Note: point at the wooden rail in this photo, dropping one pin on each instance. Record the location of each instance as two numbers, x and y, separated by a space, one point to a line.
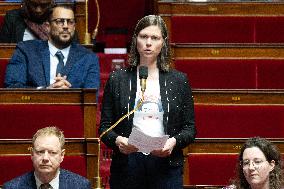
228 51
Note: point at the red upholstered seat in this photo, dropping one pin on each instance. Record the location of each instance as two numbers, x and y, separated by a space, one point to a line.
1 20
227 29
239 121
13 166
269 29
3 65
110 62
270 74
217 74
211 169
212 29
22 121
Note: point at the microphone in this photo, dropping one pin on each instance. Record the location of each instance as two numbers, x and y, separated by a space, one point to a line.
143 74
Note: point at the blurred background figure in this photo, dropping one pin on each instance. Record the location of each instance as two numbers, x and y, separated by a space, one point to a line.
27 22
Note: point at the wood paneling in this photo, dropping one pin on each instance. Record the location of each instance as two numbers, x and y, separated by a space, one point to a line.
240 97
228 51
218 8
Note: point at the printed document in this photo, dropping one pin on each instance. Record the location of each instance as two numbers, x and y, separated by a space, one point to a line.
146 143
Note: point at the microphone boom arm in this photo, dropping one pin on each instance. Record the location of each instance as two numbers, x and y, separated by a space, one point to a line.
98 178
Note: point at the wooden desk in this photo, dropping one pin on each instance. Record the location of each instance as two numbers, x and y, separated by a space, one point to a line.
237 96
227 51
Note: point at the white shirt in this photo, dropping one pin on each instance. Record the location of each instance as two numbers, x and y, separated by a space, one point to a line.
28 35
54 182
149 117
54 60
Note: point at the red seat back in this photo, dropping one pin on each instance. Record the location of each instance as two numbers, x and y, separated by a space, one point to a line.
211 169
239 121
3 65
212 29
22 121
219 74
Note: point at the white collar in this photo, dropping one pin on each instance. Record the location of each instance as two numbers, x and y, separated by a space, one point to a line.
53 50
54 182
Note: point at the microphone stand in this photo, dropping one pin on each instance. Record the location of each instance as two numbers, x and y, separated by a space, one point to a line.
98 178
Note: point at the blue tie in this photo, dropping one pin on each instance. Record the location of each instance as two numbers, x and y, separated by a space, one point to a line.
60 65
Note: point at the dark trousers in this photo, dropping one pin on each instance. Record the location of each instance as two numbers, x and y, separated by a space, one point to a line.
145 171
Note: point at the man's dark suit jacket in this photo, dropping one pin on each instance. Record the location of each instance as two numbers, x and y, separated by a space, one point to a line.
13 27
67 180
29 66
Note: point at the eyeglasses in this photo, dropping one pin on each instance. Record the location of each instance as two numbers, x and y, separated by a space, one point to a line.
255 163
61 21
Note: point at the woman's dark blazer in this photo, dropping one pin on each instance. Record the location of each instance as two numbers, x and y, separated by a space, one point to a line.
177 102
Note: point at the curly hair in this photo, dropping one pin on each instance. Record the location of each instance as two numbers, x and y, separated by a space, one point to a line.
164 58
271 152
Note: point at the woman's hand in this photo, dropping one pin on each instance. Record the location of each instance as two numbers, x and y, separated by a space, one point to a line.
124 147
167 149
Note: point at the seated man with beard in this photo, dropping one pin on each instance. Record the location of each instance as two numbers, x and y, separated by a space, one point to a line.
56 63
27 22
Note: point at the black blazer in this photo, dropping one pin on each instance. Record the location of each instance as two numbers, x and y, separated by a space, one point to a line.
13 27
177 102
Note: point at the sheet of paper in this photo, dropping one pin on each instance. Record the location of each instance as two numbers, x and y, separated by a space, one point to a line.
146 143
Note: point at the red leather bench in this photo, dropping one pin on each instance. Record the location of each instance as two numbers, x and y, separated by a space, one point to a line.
211 169
218 74
3 65
227 29
233 73
212 29
239 121
22 121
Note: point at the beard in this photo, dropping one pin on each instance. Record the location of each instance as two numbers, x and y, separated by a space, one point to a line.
60 43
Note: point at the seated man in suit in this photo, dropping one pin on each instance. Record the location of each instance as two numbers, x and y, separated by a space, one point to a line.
57 63
47 153
27 22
